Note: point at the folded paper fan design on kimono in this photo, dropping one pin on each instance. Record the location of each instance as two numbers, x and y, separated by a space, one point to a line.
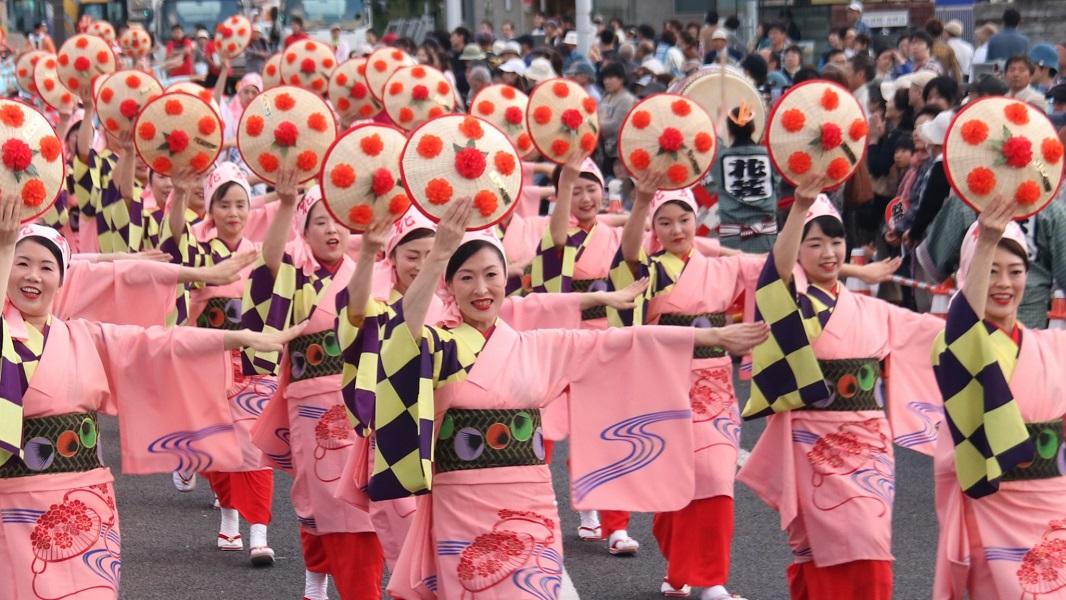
817 127
197 90
349 93
135 42
121 97
361 176
713 87
272 72
286 126
493 557
32 163
64 531
308 64
562 120
1043 568
82 59
381 64
178 131
233 35
456 156
1002 146
671 134
416 94
49 87
102 29
24 66
505 107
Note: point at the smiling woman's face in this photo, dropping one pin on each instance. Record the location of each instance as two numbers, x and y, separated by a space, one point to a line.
35 277
327 239
479 285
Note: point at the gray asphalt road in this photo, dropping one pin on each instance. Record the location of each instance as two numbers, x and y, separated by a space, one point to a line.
169 543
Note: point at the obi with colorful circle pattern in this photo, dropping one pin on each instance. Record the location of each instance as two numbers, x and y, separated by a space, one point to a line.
221 313
854 384
57 444
1049 462
591 285
700 321
488 438
315 355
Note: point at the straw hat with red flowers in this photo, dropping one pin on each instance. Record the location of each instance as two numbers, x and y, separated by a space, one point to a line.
197 90
82 59
381 64
668 133
817 127
416 94
349 93
121 97
286 126
233 35
308 64
102 29
455 156
272 72
505 107
361 176
1002 146
24 66
135 42
562 120
50 88
178 131
31 158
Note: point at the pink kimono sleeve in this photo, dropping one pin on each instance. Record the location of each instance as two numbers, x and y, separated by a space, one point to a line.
709 247
168 387
259 218
107 291
914 404
631 444
542 311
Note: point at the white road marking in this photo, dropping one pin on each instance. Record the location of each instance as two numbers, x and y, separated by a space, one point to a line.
569 592
742 457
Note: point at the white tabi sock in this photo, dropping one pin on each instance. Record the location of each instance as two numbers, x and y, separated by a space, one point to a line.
230 526
258 535
315 586
716 592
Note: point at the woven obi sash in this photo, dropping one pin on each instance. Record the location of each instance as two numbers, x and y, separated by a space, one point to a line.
57 444
854 384
221 313
1049 461
315 355
700 321
591 285
488 438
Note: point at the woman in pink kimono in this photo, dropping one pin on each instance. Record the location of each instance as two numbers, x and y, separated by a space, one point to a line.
1002 514
59 529
304 429
825 461
472 428
248 491
687 289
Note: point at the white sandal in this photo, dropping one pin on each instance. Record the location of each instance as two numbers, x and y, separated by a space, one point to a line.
670 591
262 556
620 544
590 530
182 483
719 592
230 543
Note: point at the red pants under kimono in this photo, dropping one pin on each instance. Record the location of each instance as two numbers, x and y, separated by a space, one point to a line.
353 560
866 579
251 493
696 542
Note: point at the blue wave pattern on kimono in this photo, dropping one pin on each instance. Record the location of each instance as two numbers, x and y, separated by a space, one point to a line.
644 448
451 547
803 436
307 522
253 398
180 444
283 460
729 426
1007 554
876 482
13 516
310 412
540 582
104 565
931 414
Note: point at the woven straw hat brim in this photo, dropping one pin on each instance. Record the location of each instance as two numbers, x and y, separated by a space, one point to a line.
711 86
968 165
272 72
493 103
650 122
38 184
797 153
24 66
349 93
49 87
407 82
429 171
99 58
197 90
118 87
165 116
308 64
350 169
102 29
265 118
381 64
240 35
548 103
136 42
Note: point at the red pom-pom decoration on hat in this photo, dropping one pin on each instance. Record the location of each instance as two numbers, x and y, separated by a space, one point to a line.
670 134
30 158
